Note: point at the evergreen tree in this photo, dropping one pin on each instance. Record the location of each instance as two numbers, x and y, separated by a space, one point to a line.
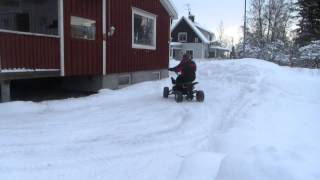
309 23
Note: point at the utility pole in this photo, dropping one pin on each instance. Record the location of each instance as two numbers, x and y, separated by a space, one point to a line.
245 28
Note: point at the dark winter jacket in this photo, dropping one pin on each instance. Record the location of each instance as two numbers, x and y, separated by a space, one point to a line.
187 68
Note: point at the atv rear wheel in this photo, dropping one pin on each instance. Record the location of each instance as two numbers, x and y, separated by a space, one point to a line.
166 92
178 97
200 96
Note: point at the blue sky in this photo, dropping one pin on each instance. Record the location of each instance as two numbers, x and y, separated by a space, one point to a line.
210 13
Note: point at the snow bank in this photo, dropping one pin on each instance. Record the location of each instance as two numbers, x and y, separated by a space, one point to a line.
200 166
263 118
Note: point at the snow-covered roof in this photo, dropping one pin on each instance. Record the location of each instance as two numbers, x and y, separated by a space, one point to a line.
203 28
195 28
175 44
219 48
170 7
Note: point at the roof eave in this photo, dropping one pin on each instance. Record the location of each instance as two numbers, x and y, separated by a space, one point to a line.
197 31
168 5
208 31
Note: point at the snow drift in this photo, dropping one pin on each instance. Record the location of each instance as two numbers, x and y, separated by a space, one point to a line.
259 121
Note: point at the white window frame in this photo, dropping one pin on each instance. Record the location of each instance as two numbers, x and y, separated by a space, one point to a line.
182 33
150 16
190 50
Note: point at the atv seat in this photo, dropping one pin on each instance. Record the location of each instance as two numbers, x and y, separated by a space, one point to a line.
183 84
188 84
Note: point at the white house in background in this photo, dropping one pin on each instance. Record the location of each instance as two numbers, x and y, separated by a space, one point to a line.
191 38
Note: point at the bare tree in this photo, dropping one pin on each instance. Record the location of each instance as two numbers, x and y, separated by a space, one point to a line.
220 31
278 15
268 28
257 19
270 20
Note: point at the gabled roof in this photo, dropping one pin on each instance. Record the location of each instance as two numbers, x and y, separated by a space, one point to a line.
196 28
203 28
171 9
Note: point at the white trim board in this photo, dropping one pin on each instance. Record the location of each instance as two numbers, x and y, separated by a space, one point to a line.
29 33
61 33
104 35
170 7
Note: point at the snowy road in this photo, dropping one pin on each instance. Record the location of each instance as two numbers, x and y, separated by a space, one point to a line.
259 121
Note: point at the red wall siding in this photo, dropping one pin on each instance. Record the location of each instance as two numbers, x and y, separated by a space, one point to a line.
83 57
121 57
27 51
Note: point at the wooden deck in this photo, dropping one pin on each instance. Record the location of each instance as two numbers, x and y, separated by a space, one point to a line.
7 76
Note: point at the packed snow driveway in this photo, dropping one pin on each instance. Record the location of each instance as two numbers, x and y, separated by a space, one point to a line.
259 121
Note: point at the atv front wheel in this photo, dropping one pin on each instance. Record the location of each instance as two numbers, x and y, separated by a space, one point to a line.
166 92
200 96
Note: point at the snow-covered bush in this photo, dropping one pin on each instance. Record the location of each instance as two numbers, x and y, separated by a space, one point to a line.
276 51
311 51
252 51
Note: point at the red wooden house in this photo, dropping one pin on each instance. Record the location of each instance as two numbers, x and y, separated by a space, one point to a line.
114 42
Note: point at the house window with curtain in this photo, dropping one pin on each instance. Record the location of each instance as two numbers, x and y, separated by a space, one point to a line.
143 29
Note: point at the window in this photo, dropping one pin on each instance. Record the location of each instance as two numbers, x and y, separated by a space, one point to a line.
196 40
190 53
82 28
143 29
182 37
40 16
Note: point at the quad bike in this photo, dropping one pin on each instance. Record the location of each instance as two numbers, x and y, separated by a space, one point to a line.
184 90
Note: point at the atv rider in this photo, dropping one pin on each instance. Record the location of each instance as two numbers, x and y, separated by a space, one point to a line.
187 69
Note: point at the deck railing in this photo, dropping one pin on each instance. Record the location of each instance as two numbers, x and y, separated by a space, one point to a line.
24 51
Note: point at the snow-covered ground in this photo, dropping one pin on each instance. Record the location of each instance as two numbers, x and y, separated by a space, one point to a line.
259 121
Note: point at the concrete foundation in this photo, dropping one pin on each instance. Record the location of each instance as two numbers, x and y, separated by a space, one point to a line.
5 91
112 81
89 84
138 77
86 84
